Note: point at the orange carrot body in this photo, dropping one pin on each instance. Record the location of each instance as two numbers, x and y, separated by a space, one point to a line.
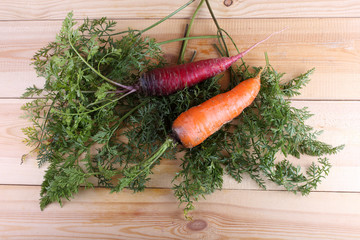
198 123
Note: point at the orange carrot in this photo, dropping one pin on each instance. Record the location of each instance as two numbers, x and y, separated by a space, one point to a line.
193 126
198 123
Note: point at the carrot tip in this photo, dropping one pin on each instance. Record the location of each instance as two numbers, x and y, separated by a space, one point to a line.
259 73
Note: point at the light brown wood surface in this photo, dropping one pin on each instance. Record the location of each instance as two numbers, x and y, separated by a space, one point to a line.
48 9
154 214
320 34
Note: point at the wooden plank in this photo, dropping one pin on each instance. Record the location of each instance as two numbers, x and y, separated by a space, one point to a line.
330 45
339 120
47 9
321 34
154 214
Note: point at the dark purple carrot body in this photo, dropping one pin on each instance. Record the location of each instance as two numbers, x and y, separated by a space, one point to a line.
165 81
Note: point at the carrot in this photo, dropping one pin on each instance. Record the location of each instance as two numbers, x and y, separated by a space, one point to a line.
165 81
198 123
193 126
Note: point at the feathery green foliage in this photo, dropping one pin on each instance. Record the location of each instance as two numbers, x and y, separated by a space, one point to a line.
84 127
264 129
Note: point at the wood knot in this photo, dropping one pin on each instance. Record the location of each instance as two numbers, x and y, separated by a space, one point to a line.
228 3
197 225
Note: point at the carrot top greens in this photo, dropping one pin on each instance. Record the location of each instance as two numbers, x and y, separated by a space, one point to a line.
84 127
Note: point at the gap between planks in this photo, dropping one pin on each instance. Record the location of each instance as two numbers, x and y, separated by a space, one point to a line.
216 190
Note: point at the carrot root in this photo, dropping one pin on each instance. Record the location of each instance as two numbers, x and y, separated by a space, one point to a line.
198 123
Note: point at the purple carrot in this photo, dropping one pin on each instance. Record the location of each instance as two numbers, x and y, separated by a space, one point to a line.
167 80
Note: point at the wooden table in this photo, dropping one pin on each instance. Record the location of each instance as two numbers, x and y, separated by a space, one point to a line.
320 34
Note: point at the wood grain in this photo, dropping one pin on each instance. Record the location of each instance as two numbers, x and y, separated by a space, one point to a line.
322 34
332 46
154 214
142 9
340 122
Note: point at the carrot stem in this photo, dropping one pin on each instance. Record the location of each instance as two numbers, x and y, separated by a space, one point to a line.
182 44
237 49
122 32
167 144
130 88
157 23
187 38
217 26
115 127
224 49
96 109
167 17
148 163
193 56
188 31
267 59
